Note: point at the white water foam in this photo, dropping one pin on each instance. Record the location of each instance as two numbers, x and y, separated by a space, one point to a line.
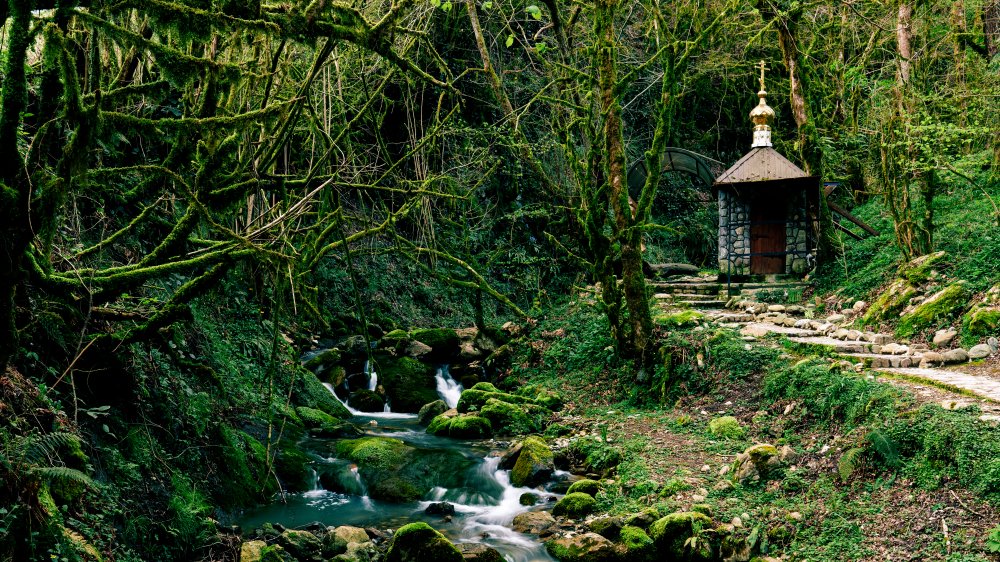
386 414
447 388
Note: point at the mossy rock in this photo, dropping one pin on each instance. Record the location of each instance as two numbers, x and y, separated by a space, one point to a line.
418 542
575 505
586 547
943 305
430 411
726 427
534 463
463 426
290 466
444 343
321 424
439 425
609 526
311 393
682 319
366 401
639 547
981 322
473 400
549 399
643 519
514 419
324 360
758 462
303 545
485 387
889 302
528 499
586 486
920 269
670 534
396 472
395 340
408 383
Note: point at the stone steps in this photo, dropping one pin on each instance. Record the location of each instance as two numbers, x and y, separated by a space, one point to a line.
981 386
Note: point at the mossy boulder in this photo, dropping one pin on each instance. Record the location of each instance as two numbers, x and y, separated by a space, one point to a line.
889 302
684 318
309 392
478 552
586 486
408 383
984 317
726 427
922 268
535 463
444 343
514 419
323 361
290 465
575 506
259 551
396 472
430 411
670 534
639 546
473 399
758 462
303 545
323 424
609 526
418 542
585 547
462 426
941 306
485 387
366 401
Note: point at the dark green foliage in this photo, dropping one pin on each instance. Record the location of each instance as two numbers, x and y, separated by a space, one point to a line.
595 454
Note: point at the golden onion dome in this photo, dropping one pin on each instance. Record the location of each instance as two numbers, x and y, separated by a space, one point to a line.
762 115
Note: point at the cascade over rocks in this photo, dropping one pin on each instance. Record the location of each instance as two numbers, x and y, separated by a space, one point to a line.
366 401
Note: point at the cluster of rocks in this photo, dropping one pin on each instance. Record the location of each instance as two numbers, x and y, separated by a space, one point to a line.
416 542
405 362
485 411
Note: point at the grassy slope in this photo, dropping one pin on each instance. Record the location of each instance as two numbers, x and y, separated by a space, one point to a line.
892 504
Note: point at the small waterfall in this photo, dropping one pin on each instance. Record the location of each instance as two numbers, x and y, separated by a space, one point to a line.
315 490
385 413
447 388
365 500
372 377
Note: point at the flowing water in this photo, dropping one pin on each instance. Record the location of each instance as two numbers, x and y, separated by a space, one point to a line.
447 388
485 501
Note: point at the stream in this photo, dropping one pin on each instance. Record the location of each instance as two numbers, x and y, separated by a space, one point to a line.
485 501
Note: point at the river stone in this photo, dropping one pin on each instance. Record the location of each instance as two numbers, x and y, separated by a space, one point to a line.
528 499
980 351
252 551
575 506
302 544
931 358
586 547
477 552
643 519
440 508
418 542
609 527
417 350
431 410
955 356
337 541
408 383
366 401
533 522
836 318
944 337
534 463
358 552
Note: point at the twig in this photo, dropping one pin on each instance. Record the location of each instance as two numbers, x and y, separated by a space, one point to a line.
966 507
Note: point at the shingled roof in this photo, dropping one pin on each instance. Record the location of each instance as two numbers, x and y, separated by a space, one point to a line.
761 164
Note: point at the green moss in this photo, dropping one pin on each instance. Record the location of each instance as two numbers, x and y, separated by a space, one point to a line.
726 427
469 427
324 360
418 542
981 322
575 505
430 411
586 486
290 466
534 464
943 305
513 419
311 393
670 533
373 452
639 547
920 269
409 384
684 318
439 425
444 342
889 302
484 387
473 400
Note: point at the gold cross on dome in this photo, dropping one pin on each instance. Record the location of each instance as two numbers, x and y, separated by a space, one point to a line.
762 69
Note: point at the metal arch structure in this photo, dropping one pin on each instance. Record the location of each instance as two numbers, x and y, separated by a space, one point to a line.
675 160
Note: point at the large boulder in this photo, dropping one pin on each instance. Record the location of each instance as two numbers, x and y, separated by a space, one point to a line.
473 399
323 424
575 506
323 361
418 542
587 486
366 401
408 383
303 545
395 472
461 426
639 547
984 317
892 300
514 419
533 522
585 547
535 463
430 411
942 305
337 541
308 391
444 343
671 534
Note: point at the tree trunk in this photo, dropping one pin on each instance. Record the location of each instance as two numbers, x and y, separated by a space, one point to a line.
629 236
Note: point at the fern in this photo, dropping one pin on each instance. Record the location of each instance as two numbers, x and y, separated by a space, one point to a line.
63 475
885 447
37 449
848 462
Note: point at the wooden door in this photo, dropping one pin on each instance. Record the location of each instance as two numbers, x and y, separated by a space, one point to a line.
767 237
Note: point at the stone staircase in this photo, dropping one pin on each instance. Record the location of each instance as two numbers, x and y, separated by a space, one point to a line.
831 336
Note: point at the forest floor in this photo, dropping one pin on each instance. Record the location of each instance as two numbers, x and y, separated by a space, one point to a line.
812 513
